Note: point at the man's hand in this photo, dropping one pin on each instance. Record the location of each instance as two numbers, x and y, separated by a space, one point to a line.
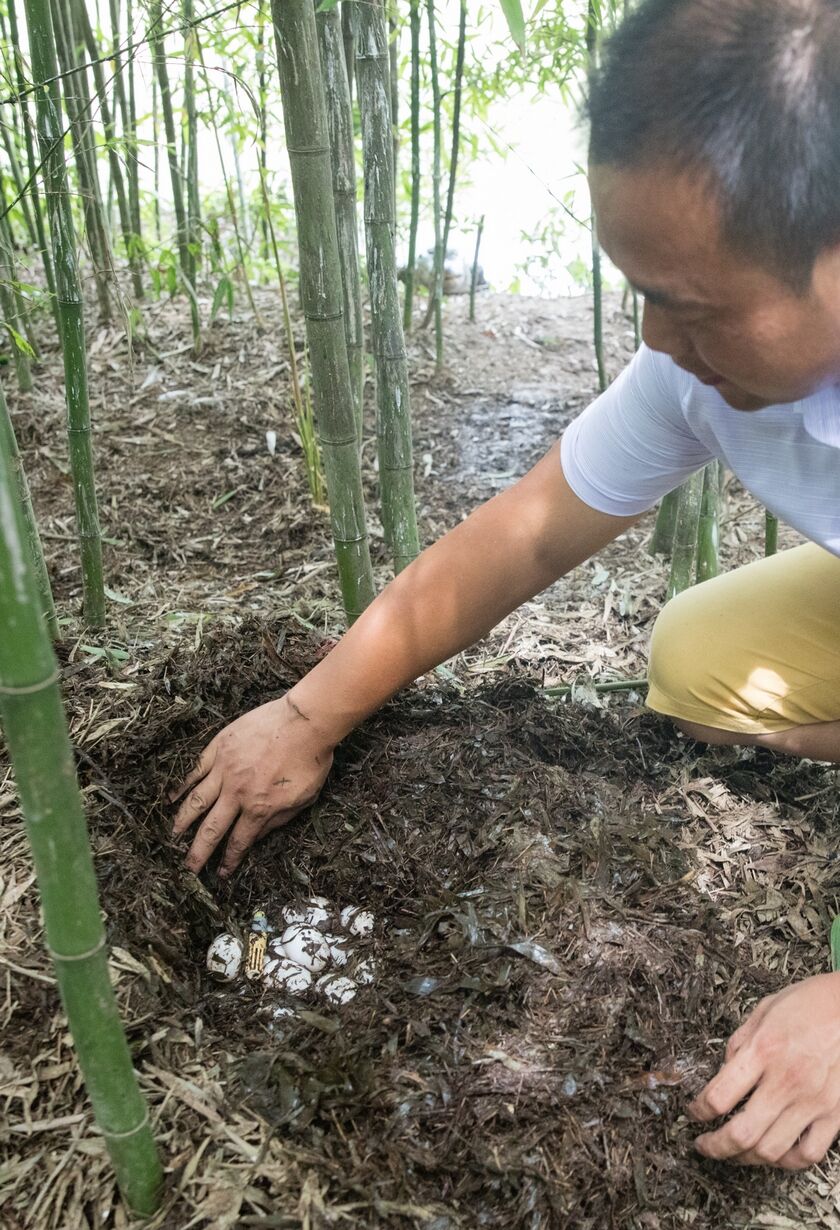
256 774
786 1056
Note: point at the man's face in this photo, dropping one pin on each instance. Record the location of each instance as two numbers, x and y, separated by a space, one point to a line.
730 322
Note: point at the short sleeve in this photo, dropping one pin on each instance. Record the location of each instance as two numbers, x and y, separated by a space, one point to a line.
632 445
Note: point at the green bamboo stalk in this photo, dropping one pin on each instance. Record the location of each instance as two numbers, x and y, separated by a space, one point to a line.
156 41
708 529
474 274
637 322
84 33
32 164
18 181
662 539
414 17
436 289
69 299
340 121
39 746
308 143
130 136
10 456
193 197
394 88
592 24
393 396
262 103
456 137
771 533
14 314
685 534
348 38
77 106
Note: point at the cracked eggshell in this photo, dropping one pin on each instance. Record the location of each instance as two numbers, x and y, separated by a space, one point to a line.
335 988
340 950
365 972
356 920
224 957
306 947
284 975
307 913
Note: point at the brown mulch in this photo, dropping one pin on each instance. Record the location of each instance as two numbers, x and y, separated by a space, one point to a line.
574 907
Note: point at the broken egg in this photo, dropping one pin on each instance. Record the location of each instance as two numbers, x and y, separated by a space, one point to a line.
356 920
307 913
365 972
336 988
339 946
284 975
306 947
224 957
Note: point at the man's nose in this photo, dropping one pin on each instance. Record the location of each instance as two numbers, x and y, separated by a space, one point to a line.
660 333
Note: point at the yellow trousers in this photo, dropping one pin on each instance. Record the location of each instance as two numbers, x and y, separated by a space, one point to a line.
755 650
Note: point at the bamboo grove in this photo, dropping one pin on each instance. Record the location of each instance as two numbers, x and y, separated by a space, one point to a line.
378 102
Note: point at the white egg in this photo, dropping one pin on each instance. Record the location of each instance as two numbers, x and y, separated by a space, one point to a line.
336 989
356 920
365 972
306 947
224 957
340 950
284 975
320 901
308 914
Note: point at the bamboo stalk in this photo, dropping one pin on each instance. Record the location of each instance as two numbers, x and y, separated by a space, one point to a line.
456 137
32 164
156 41
662 539
13 312
592 22
77 105
436 290
393 395
708 529
84 32
308 143
17 179
36 734
771 533
191 136
348 38
685 534
130 134
474 274
394 89
10 457
340 121
414 17
69 299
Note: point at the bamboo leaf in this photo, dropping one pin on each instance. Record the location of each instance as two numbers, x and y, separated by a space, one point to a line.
21 342
222 294
512 10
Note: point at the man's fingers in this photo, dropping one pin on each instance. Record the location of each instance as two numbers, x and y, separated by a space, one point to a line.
734 1081
246 832
210 833
748 1027
813 1145
779 1138
202 768
197 802
744 1130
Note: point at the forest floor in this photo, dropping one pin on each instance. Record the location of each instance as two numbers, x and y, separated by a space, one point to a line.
575 906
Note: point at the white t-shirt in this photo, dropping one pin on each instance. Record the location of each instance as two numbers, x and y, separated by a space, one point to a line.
656 424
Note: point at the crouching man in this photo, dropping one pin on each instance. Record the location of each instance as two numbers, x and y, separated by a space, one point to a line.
715 174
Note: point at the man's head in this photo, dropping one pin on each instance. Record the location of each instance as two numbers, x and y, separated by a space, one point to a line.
715 171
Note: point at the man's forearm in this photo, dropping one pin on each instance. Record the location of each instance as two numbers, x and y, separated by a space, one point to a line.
507 551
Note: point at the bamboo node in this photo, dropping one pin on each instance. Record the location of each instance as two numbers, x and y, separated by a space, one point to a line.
5 690
309 151
144 1123
79 956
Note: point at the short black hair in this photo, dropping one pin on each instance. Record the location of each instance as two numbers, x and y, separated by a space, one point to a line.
744 93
